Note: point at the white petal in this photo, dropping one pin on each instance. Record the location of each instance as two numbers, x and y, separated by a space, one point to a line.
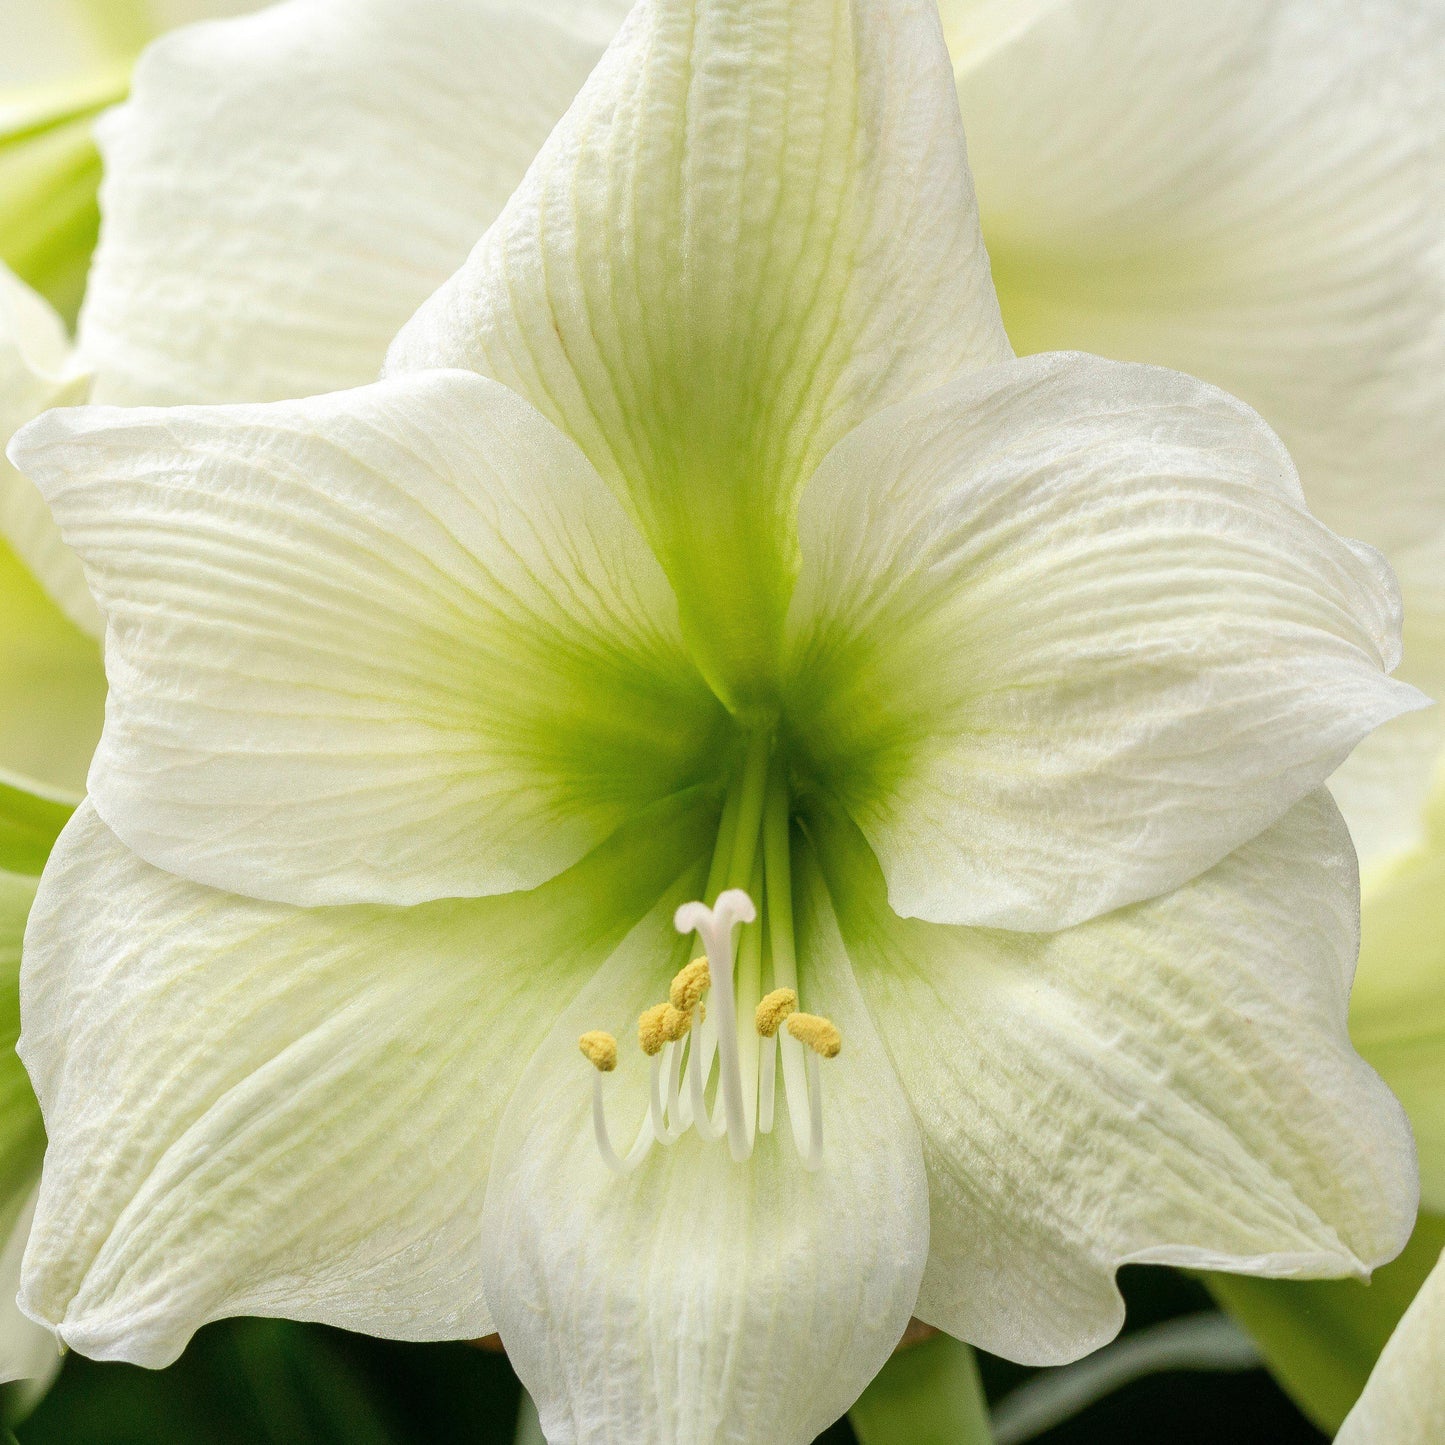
754 228
1065 636
1169 1084
255 1109
1252 191
699 1301
393 644
1404 1401
283 190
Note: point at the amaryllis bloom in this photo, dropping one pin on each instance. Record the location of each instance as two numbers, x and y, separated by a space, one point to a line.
704 568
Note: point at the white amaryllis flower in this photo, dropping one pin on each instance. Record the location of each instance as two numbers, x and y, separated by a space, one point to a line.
1404 1401
987 702
1252 191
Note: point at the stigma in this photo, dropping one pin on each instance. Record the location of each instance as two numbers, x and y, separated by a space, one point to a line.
732 1047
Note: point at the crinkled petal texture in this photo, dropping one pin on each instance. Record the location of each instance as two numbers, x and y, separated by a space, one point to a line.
53 687
1404 1401
282 191
1252 191
389 645
1397 1011
1065 635
698 1302
259 1109
754 228
1171 1083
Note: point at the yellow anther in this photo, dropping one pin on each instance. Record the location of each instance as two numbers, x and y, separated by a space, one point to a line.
662 1024
600 1050
773 1010
690 985
819 1034
675 1023
651 1031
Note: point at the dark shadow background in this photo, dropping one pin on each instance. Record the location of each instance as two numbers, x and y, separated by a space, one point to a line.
271 1382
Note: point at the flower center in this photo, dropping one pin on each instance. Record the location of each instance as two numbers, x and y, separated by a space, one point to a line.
716 1018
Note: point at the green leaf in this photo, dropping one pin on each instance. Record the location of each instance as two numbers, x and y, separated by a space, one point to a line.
927 1394
29 826
1321 1338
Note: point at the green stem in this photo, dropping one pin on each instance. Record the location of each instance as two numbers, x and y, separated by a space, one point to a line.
927 1394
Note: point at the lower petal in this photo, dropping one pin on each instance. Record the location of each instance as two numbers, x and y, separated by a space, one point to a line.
699 1300
1171 1083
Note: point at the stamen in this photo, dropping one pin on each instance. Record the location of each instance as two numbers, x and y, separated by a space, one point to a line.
690 985
819 1034
650 1032
773 1010
600 1050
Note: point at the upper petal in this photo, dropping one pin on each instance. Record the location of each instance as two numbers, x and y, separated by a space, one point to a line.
699 1301
1404 1401
1171 1083
754 228
1252 191
259 1109
1065 635
388 645
282 191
